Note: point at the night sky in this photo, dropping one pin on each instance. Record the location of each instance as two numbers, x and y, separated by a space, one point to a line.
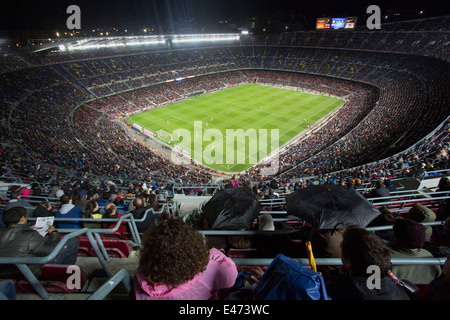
135 14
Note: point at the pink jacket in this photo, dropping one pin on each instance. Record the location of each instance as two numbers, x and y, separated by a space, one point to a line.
219 276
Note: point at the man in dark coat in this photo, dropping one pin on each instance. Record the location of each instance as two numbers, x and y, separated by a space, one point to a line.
138 213
19 240
379 191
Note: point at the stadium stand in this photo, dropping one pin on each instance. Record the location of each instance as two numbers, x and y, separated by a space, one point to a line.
63 129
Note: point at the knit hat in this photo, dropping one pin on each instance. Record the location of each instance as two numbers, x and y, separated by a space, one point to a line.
59 193
409 234
420 213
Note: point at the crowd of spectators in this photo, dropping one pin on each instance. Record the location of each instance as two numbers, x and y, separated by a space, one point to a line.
387 93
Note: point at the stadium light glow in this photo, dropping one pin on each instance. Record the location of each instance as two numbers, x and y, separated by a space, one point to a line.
129 41
205 38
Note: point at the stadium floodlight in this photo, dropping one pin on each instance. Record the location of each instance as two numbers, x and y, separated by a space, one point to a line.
206 38
111 42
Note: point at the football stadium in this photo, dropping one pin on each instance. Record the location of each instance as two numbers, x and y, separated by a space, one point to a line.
274 156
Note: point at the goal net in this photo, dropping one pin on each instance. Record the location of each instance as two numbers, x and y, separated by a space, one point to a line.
164 135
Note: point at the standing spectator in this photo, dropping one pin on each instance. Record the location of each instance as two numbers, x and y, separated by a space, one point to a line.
175 264
361 249
68 210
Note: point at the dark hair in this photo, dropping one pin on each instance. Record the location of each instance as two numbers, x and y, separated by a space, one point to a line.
363 249
65 198
172 253
118 201
13 215
16 194
90 206
106 195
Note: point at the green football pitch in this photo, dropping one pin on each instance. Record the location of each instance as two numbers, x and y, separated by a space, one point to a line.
233 129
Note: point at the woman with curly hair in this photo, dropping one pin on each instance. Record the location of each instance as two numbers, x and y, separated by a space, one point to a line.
175 264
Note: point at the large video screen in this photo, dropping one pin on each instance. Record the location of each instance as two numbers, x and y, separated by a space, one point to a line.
350 23
323 23
336 23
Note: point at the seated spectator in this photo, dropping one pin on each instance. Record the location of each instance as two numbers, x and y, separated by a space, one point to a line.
19 240
269 244
68 210
36 190
379 191
420 213
25 193
92 211
265 222
386 218
272 194
121 206
438 289
361 249
195 273
82 199
443 185
408 241
111 213
16 201
105 199
44 209
153 202
138 213
326 243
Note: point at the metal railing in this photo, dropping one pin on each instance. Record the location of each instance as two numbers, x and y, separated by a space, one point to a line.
23 262
121 276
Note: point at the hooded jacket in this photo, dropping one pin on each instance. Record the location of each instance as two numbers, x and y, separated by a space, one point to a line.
69 211
218 277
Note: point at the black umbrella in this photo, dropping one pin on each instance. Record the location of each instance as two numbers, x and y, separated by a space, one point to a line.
330 207
232 209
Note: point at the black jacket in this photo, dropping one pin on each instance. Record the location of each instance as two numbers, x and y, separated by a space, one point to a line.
144 225
21 241
344 287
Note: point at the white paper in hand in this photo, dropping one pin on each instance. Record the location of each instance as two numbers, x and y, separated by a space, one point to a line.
42 224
